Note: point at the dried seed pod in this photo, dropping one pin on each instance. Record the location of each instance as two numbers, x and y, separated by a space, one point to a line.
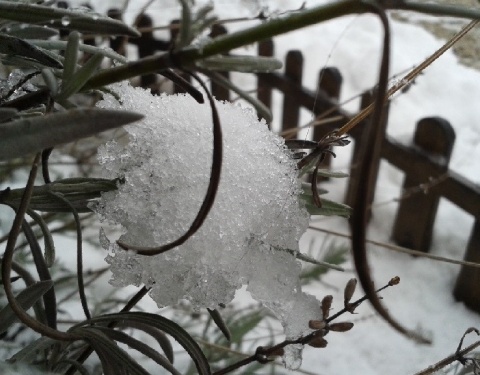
318 342
326 304
349 290
394 281
341 327
317 324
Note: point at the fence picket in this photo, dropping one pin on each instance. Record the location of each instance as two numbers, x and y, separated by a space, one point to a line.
291 107
218 91
416 214
264 90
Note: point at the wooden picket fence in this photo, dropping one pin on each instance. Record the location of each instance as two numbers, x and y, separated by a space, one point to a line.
422 162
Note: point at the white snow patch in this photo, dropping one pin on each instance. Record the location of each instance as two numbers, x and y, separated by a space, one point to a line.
256 215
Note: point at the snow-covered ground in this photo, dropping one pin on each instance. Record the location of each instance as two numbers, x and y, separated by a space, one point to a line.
423 300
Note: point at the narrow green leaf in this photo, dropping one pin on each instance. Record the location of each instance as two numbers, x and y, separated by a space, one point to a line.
79 192
50 81
307 190
71 56
82 370
140 347
49 298
158 335
30 352
62 45
26 298
47 238
10 45
165 325
333 174
31 31
335 255
114 359
185 34
329 208
64 19
244 64
78 80
27 136
311 260
202 12
217 318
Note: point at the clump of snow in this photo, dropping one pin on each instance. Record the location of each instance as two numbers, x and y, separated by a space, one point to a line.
256 215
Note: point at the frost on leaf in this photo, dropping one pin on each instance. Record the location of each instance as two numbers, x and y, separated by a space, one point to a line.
165 169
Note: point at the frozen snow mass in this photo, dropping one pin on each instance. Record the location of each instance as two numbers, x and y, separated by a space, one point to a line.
165 170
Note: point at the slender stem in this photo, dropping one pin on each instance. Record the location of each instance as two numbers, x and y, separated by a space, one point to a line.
448 360
81 286
187 56
262 354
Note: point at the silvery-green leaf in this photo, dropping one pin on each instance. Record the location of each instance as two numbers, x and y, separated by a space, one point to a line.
144 349
78 80
49 245
50 80
30 352
62 45
329 173
78 191
307 189
32 31
27 136
64 19
26 298
10 45
71 55
329 208
244 64
165 325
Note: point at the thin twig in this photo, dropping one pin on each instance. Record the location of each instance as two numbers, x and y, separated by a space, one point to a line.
263 355
401 249
402 83
448 360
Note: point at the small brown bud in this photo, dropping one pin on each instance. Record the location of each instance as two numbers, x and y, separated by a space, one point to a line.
349 290
318 342
394 281
326 304
316 324
341 327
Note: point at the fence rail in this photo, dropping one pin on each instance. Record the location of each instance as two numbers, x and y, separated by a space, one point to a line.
425 162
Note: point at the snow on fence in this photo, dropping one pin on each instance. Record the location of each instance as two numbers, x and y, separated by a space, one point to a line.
424 163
